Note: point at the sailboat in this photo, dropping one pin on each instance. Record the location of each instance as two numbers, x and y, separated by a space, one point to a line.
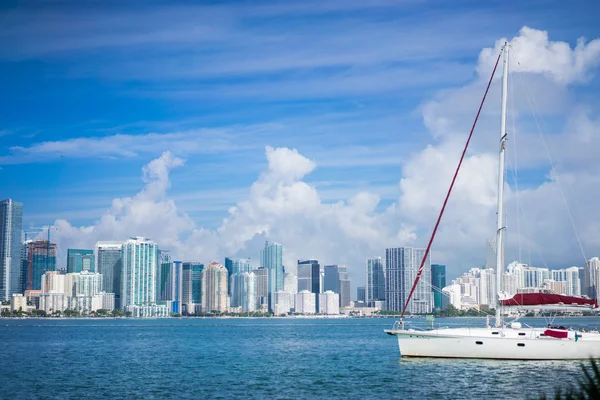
503 340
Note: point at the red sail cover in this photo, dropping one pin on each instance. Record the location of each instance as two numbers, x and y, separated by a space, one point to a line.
540 299
556 334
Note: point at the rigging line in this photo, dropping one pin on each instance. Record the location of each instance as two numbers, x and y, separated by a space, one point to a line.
515 169
437 224
531 99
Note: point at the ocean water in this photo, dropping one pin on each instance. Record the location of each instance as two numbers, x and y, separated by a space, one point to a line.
251 358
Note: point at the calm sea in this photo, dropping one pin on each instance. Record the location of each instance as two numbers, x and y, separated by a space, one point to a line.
250 358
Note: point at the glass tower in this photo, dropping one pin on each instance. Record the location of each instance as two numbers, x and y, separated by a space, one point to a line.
108 261
80 260
401 266
271 257
438 282
11 227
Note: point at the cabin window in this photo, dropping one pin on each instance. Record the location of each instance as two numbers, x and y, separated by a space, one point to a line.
521 344
495 333
541 334
478 342
521 333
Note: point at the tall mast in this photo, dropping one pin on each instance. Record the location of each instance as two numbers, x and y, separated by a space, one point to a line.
500 222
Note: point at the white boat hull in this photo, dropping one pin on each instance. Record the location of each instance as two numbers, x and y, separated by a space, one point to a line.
505 345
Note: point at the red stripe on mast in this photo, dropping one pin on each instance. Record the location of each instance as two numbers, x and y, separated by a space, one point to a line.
437 224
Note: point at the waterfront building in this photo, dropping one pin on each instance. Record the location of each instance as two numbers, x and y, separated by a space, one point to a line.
571 278
80 260
309 277
590 277
243 287
336 280
283 302
528 276
11 224
401 266
148 311
262 288
41 258
191 283
452 295
170 282
18 302
438 282
138 276
85 283
53 281
361 294
375 282
214 288
271 257
53 301
290 285
559 287
306 302
108 263
329 303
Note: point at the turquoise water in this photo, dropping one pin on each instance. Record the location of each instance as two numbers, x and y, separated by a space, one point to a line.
250 358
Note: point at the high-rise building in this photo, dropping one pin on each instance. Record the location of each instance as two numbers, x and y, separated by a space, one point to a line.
271 257
243 291
329 302
11 224
214 288
401 267
336 280
283 302
138 276
375 283
571 277
361 294
191 282
290 285
528 276
262 288
108 262
80 260
41 258
170 282
236 266
590 276
438 282
306 302
309 277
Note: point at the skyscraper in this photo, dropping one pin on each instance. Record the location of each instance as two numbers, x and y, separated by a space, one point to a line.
170 282
309 277
138 276
214 288
11 224
80 260
336 280
243 287
271 257
108 262
262 288
438 282
571 277
191 283
360 294
375 284
401 269
41 258
590 274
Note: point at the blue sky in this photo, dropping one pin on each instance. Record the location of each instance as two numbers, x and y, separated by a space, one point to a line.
91 93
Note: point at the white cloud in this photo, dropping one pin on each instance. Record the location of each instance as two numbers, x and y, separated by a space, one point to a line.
535 53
